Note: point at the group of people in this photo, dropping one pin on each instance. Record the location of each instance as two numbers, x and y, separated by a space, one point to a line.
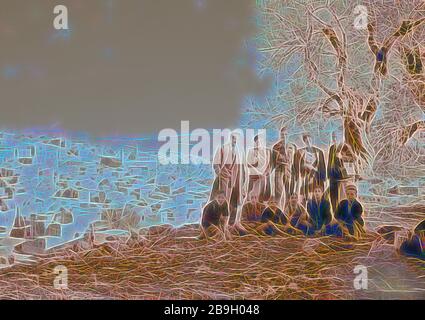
283 189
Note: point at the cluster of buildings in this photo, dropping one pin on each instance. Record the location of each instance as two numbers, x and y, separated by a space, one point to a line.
53 189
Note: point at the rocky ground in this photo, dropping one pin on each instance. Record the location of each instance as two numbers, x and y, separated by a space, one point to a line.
168 263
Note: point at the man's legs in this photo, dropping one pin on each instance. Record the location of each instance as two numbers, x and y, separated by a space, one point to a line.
335 190
279 186
254 185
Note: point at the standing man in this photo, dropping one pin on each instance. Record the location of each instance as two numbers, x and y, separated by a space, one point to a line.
259 168
336 171
281 169
294 181
312 167
229 175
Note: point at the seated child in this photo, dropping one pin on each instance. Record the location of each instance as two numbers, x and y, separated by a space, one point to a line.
250 215
319 210
298 216
272 218
252 210
215 216
349 212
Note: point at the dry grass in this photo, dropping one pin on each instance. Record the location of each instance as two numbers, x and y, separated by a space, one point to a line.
170 264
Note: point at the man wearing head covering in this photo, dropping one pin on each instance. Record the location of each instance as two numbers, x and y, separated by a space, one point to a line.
349 212
281 163
312 167
259 169
229 175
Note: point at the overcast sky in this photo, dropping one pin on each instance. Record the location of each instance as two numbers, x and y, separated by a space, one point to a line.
125 67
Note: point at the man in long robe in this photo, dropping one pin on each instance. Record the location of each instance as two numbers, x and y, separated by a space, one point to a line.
336 171
229 175
312 167
259 169
295 177
281 163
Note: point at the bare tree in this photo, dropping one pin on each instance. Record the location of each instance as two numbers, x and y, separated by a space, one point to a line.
338 73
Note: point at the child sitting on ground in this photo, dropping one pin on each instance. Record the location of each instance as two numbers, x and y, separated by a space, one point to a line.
349 213
273 219
298 216
215 217
319 210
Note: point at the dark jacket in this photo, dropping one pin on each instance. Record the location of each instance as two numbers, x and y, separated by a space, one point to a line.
276 216
296 217
413 247
348 214
335 170
320 213
213 212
